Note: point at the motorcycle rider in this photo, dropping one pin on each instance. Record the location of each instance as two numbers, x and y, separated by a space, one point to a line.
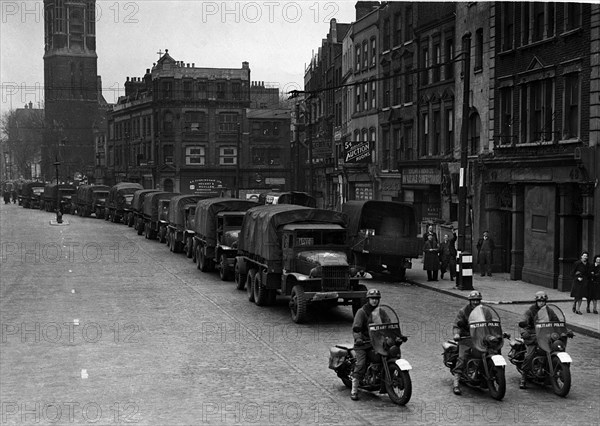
370 313
462 336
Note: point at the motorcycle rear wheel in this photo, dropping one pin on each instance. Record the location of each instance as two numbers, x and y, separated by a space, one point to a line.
497 382
399 387
561 380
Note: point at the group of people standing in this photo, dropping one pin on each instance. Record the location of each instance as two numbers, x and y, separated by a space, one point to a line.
439 256
586 283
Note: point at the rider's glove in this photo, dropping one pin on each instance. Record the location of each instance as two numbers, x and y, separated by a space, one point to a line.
570 334
523 324
457 336
359 342
401 339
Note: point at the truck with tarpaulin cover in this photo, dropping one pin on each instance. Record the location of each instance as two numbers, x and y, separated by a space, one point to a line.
299 252
153 213
135 217
62 193
180 231
382 236
119 200
217 226
290 197
91 199
31 194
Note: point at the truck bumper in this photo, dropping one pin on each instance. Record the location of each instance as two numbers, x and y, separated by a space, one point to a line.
331 295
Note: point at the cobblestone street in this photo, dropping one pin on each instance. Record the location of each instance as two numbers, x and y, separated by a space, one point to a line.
100 325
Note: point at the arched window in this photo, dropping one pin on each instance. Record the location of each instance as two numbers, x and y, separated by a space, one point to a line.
474 134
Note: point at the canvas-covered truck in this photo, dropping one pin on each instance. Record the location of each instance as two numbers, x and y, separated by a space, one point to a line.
299 252
135 217
382 235
151 213
119 200
217 226
31 194
290 197
91 199
61 194
180 231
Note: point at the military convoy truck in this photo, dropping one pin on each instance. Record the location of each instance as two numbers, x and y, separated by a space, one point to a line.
382 236
61 193
216 229
31 195
91 199
151 210
299 252
119 200
180 231
135 217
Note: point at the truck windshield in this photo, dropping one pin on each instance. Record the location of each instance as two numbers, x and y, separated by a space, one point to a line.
318 237
233 221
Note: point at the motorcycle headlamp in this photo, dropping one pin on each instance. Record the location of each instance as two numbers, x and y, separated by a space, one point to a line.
554 337
557 346
491 340
394 352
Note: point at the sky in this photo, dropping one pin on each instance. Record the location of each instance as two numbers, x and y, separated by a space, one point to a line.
277 38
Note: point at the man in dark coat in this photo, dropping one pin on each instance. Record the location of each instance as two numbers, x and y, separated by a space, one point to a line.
485 251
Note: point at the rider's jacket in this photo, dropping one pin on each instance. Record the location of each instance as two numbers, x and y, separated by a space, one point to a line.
461 323
528 322
365 316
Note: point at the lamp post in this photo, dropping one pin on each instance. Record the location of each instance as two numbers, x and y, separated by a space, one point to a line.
58 212
237 160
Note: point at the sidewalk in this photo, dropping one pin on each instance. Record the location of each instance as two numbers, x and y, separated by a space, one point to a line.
510 295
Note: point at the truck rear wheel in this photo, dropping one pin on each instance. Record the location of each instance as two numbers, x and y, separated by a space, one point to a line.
249 284
261 293
141 229
298 304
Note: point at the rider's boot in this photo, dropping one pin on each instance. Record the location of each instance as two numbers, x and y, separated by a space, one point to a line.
456 385
523 381
354 391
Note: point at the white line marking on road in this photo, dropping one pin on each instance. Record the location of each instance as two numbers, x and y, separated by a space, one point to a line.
84 374
76 321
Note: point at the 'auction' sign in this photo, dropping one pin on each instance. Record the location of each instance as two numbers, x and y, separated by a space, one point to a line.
357 152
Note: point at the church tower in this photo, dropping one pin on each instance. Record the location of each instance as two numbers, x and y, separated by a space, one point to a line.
70 86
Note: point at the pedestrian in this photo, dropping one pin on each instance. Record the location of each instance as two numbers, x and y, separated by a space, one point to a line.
581 275
485 252
447 257
431 261
594 285
428 233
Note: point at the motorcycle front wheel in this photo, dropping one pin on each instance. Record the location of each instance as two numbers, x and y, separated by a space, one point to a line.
561 380
399 387
497 382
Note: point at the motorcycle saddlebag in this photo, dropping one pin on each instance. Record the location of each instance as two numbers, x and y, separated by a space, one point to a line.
336 357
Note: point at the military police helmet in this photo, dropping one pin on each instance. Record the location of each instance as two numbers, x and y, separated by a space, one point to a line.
373 294
475 295
541 295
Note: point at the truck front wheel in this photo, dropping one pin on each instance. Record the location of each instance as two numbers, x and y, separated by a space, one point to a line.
249 284
224 269
240 279
298 304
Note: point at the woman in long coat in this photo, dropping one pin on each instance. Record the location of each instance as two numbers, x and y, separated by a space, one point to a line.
431 261
594 285
581 275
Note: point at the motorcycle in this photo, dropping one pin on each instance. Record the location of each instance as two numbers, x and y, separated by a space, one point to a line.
386 370
484 365
551 364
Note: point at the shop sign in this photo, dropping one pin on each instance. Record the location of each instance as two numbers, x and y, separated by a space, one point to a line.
424 176
204 185
357 152
321 148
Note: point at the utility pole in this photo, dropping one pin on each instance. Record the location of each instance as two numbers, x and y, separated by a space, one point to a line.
58 212
465 274
310 151
237 161
296 185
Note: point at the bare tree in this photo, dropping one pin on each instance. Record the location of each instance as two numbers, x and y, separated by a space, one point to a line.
22 131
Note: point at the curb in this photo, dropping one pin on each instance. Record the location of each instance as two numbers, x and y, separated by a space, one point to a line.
576 328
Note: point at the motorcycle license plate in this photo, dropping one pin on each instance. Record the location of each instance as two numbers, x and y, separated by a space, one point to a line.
564 357
498 360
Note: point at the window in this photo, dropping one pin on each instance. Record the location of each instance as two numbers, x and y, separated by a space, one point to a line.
373 52
386 35
408 140
365 55
474 133
365 135
398 147
508 25
168 154
365 96
397 29
91 19
386 161
571 114
187 89
276 128
227 155
397 90
168 122
202 90
424 65
408 24
551 13
228 122
449 59
449 131
537 111
424 134
263 156
408 92
59 14
357 88
195 155
506 115
167 89
437 133
479 49
195 121
221 90
437 60
572 16
357 50
236 91
386 91
525 16
373 95
538 21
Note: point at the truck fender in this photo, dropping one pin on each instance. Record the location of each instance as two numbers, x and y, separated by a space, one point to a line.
297 276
